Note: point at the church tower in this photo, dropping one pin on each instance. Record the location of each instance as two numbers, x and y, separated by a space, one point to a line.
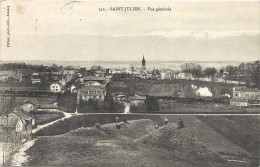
143 63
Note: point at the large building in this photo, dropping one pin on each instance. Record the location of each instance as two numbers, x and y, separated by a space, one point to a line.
94 92
245 97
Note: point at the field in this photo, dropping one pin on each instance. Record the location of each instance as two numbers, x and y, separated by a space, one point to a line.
193 108
138 143
43 118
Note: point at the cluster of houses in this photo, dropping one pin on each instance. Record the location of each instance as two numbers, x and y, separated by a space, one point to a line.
144 73
92 85
19 121
53 81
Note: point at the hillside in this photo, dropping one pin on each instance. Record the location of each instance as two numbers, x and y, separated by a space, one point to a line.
183 142
210 136
137 143
107 146
241 130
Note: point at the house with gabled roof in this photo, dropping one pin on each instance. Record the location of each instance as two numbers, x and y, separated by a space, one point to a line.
26 117
56 87
18 124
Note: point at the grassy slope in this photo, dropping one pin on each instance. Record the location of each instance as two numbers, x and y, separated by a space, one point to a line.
192 108
87 121
183 142
209 136
241 130
46 118
105 147
112 147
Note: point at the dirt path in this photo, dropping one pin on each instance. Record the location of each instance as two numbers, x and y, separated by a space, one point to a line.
21 157
67 115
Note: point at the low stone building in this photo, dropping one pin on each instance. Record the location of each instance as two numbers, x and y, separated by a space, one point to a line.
245 97
136 100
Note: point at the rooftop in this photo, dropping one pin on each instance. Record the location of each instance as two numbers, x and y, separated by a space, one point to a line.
33 101
137 97
92 87
246 89
19 112
93 78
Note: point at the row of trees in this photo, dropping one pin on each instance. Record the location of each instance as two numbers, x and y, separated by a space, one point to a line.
109 104
38 68
244 72
196 70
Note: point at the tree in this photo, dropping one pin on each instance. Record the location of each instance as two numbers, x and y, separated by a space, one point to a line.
256 74
196 72
151 103
54 65
192 68
221 72
210 72
109 103
231 72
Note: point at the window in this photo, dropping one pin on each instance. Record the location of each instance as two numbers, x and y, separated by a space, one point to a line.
236 95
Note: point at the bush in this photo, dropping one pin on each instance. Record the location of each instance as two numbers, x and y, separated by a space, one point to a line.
138 108
67 101
152 103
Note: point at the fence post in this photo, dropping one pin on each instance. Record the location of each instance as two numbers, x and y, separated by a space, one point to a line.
3 157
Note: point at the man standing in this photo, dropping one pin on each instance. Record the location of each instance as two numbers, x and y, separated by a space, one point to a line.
117 119
165 121
181 124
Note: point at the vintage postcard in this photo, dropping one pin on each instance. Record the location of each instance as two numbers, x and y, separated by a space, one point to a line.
130 83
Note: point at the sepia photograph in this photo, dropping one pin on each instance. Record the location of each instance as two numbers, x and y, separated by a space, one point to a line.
111 83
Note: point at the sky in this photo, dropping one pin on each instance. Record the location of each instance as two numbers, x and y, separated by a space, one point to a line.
191 31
